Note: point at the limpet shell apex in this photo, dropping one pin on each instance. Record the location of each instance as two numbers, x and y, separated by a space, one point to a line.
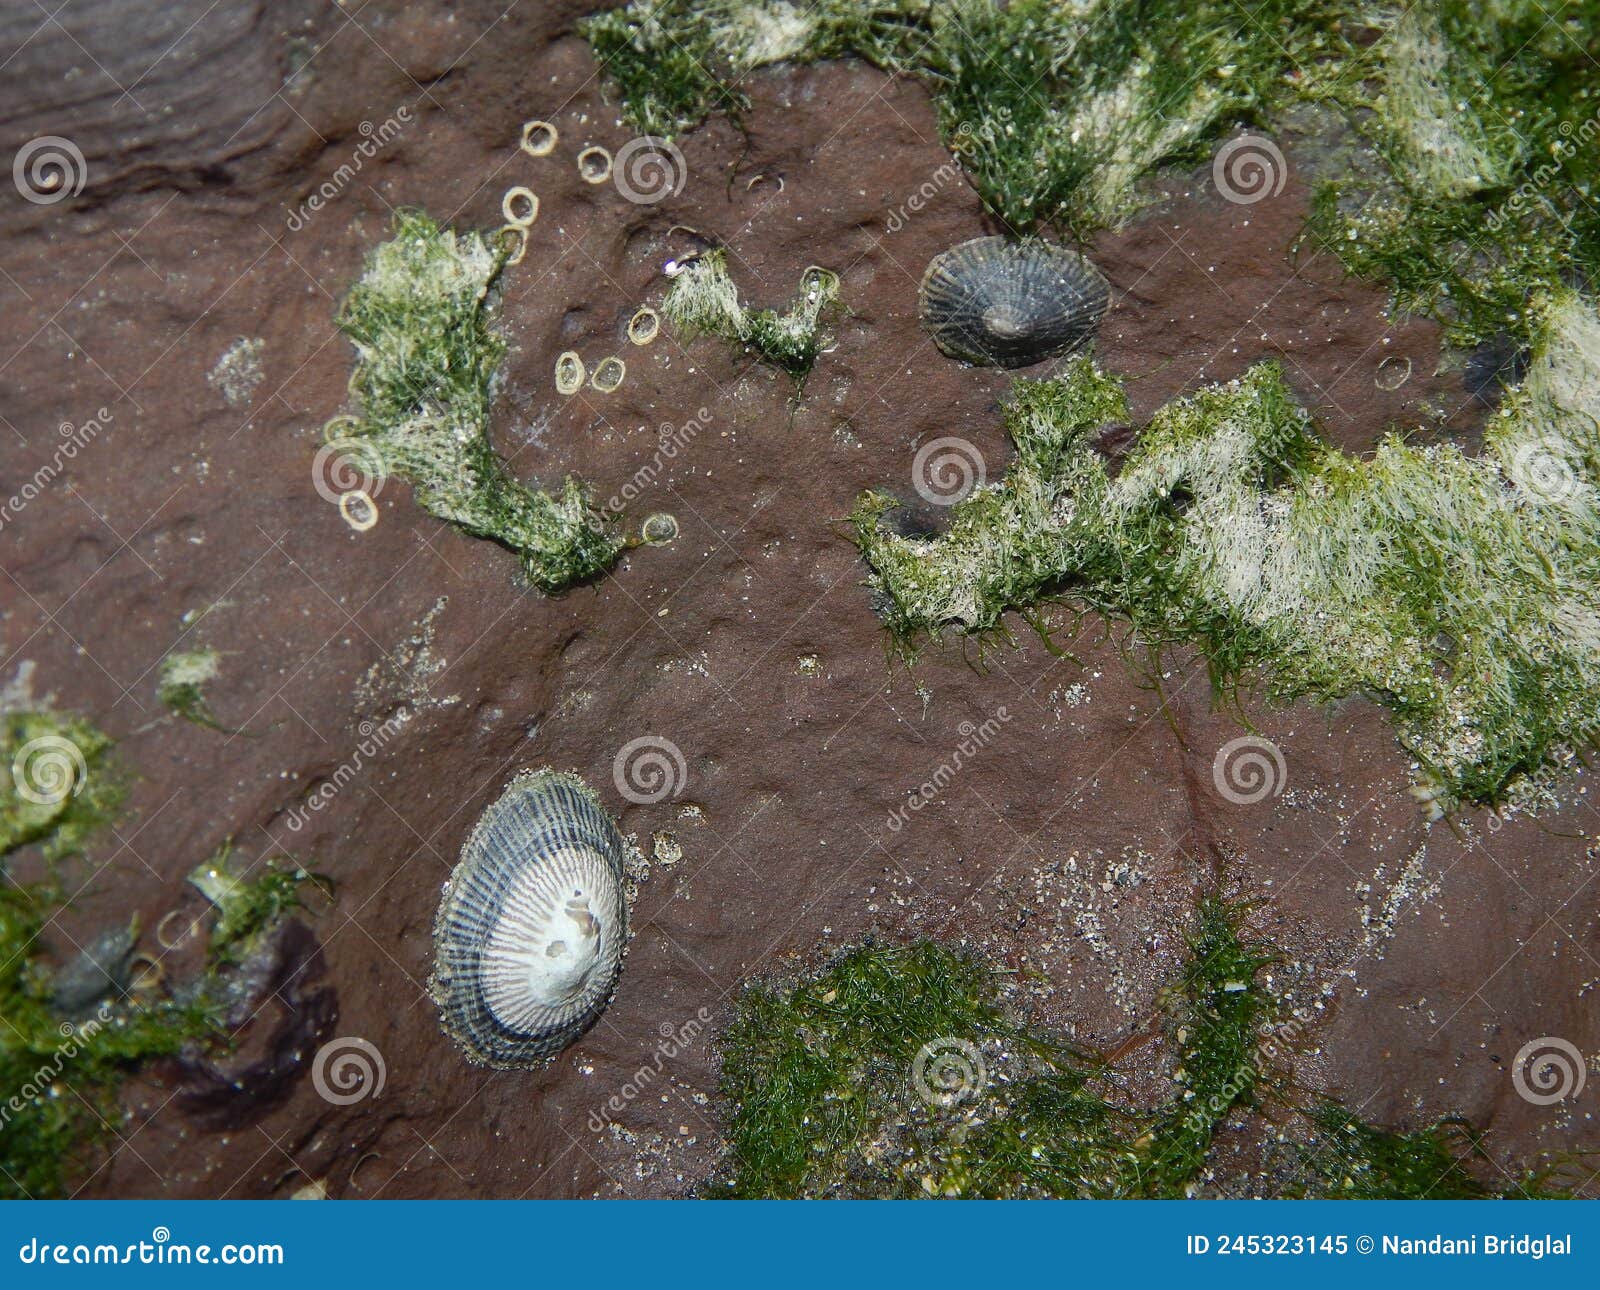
1000 303
529 937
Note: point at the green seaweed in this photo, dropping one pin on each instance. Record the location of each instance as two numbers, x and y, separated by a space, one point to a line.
248 906
1462 593
61 1079
1484 120
704 301
1347 1159
419 317
181 685
57 782
821 1076
833 1092
1055 111
1220 1008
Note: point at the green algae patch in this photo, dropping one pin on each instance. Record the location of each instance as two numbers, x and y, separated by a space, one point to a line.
249 906
1463 593
900 1072
57 782
1358 1161
1485 124
703 300
1055 111
60 1074
181 683
420 319
62 1077
866 1081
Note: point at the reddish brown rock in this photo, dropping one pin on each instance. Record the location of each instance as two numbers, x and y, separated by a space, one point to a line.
1072 844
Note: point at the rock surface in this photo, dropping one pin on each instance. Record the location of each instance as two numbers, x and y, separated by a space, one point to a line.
401 676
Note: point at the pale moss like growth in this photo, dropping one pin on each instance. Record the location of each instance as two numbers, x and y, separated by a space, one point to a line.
57 782
1427 83
1461 592
1484 117
1056 109
704 301
181 684
419 317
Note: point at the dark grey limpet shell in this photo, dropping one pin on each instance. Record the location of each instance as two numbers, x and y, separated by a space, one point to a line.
530 933
1000 303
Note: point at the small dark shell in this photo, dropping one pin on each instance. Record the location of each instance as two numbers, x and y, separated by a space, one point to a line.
530 933
999 303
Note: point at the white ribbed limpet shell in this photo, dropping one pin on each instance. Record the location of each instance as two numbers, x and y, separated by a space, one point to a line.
530 933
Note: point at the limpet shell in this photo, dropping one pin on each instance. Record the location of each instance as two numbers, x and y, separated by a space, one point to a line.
358 509
523 197
569 373
609 373
999 303
539 138
594 165
644 325
530 933
659 529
